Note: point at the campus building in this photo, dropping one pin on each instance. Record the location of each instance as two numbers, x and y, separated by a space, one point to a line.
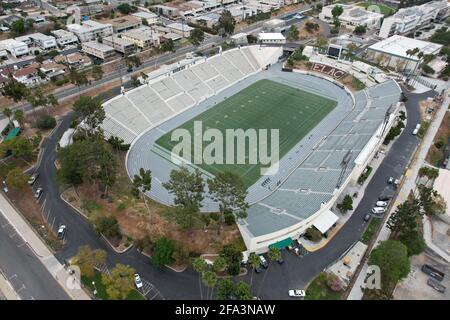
353 16
90 30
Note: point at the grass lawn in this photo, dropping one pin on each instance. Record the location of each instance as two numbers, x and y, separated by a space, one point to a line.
263 105
371 229
318 289
384 9
101 290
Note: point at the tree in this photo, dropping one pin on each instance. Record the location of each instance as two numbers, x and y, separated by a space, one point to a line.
361 29
209 279
196 36
293 33
242 291
19 147
86 259
145 21
167 45
346 204
229 191
125 8
97 72
16 179
91 111
219 264
88 160
226 22
120 282
200 266
78 78
405 224
233 257
337 11
18 27
225 289
18 115
108 226
14 90
431 201
254 262
118 143
392 258
187 187
7 112
162 252
135 81
142 183
313 234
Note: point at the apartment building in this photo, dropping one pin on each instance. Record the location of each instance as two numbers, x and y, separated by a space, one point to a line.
123 46
407 20
125 23
90 30
143 37
64 38
180 28
15 48
149 16
43 41
98 50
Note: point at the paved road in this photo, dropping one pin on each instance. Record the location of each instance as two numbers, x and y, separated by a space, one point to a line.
29 278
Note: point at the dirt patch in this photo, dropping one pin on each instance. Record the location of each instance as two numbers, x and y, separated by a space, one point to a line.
436 153
305 34
136 221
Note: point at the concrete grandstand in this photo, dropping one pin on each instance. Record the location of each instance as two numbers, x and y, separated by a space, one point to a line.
311 175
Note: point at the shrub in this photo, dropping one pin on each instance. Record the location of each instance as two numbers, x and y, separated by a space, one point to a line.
346 204
229 218
108 226
334 283
45 122
162 252
313 234
439 144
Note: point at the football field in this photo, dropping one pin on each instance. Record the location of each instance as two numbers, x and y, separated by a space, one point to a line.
267 105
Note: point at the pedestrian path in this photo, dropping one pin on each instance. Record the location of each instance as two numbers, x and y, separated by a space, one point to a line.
56 269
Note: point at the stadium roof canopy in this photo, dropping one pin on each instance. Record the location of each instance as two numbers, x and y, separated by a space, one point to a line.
325 221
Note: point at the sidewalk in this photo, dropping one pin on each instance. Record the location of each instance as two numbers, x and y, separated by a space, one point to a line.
408 185
42 252
6 290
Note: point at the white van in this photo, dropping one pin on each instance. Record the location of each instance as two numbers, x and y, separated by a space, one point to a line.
378 210
415 131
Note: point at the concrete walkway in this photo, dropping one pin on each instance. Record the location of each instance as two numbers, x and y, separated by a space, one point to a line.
409 184
25 231
6 290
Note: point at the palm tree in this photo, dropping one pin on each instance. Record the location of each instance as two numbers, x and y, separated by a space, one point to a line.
209 280
219 264
200 266
7 112
254 262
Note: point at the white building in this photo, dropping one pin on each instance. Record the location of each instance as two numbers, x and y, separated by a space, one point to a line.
392 52
180 28
98 50
14 47
407 20
271 38
121 45
149 16
90 30
353 16
143 37
43 41
64 38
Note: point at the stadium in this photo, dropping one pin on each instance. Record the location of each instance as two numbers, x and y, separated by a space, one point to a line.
327 134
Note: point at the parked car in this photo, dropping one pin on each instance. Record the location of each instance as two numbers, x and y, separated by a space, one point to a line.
378 210
33 178
297 293
433 272
5 187
258 269
415 131
280 261
436 285
38 192
264 262
61 232
367 217
138 281
390 180
396 182
381 204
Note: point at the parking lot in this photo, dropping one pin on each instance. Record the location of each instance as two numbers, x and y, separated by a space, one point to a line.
415 287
